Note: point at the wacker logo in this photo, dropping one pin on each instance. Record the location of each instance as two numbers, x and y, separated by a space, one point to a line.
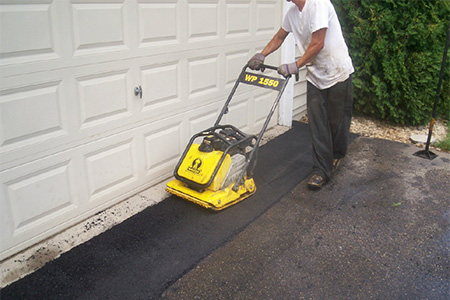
195 166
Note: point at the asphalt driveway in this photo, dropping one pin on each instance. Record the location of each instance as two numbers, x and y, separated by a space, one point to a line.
379 230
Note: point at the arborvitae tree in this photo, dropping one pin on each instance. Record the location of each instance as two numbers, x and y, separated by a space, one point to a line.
397 48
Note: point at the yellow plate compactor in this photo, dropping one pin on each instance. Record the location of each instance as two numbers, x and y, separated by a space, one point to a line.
216 169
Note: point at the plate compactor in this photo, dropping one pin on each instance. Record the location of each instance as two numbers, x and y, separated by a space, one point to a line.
216 169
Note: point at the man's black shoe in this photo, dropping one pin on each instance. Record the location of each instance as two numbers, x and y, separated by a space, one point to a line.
316 182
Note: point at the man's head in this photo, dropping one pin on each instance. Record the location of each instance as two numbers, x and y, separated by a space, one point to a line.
299 3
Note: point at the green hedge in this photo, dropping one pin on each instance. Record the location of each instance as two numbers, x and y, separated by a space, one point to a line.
397 48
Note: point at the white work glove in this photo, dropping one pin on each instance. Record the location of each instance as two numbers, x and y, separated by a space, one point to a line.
288 69
256 61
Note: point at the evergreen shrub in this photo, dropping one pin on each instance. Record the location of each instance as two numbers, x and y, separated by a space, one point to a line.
397 48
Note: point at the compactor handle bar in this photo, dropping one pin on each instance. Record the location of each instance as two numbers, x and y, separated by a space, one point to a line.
273 83
263 81
263 67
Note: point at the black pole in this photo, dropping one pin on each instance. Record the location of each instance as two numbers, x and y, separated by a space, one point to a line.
426 153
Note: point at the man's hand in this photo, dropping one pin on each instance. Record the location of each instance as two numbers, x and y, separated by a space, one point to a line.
256 61
288 69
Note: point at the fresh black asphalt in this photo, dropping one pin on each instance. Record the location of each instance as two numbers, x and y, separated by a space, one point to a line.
141 257
379 230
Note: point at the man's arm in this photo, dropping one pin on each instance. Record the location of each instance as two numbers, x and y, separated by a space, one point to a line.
255 62
317 43
275 42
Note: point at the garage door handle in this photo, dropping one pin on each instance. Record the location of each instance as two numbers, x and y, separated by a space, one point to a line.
138 91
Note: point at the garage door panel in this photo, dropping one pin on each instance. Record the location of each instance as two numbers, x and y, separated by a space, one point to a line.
267 20
234 62
263 104
203 76
111 167
34 195
160 85
203 20
158 22
99 27
162 149
238 114
238 16
203 121
31 116
104 98
270 60
34 198
28 32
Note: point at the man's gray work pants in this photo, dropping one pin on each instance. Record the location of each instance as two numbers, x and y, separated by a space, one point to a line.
329 116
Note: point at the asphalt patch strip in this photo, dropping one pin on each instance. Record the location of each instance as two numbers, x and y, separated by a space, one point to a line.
141 257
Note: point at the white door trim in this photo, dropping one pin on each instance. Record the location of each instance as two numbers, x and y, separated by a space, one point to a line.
287 56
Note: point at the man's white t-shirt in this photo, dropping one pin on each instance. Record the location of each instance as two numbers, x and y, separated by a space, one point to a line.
333 63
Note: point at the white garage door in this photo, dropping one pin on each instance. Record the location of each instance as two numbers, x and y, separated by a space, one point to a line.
74 137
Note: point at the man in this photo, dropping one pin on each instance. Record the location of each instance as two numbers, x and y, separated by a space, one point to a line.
318 35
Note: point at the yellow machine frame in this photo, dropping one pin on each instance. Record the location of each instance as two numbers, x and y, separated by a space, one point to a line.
210 199
200 175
